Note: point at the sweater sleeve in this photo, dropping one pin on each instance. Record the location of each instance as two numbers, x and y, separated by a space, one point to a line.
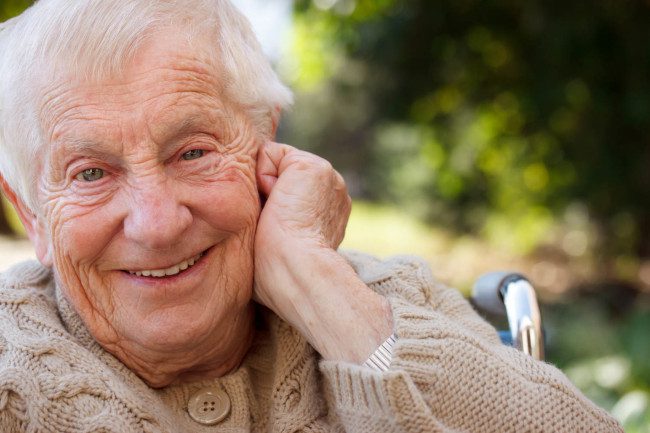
450 372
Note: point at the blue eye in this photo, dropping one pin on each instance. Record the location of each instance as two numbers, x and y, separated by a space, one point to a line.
90 175
192 154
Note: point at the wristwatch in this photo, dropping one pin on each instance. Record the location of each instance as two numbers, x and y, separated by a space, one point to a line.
380 360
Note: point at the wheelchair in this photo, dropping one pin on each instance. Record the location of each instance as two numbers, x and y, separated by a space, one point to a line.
510 296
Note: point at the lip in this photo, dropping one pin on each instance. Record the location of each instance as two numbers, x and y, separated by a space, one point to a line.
176 268
166 265
176 280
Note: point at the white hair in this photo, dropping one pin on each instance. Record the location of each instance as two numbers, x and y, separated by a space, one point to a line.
95 40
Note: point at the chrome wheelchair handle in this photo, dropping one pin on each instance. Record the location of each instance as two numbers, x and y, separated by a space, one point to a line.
512 295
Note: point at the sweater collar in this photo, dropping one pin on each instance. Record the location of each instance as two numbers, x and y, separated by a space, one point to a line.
72 321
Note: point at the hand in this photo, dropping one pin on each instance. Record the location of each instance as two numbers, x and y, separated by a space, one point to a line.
307 208
306 198
298 273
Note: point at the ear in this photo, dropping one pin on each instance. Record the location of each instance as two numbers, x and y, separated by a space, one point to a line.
275 119
32 223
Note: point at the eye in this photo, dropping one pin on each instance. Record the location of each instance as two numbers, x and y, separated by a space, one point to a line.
90 175
192 154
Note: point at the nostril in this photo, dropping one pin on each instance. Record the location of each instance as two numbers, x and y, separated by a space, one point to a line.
155 224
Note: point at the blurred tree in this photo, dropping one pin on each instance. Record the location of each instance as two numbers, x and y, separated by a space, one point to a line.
5 228
11 8
490 115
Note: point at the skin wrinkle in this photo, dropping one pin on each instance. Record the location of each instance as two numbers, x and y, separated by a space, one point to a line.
53 115
72 150
109 335
137 145
184 72
143 364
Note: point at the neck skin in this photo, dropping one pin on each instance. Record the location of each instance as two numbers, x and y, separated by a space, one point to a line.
234 350
206 359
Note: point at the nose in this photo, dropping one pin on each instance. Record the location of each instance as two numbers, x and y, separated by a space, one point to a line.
157 216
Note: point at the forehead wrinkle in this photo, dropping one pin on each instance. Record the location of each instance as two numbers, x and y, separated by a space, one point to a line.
67 97
83 146
165 127
173 131
189 112
187 98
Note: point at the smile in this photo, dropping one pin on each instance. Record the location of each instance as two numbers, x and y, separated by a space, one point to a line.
172 270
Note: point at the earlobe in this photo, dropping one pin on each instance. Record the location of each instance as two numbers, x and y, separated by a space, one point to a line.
42 244
33 226
275 119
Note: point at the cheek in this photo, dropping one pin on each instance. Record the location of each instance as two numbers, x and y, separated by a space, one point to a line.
79 235
231 205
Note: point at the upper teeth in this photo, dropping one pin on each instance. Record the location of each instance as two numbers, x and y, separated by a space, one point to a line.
172 270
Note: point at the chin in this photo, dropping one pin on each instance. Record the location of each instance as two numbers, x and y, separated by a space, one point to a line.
176 328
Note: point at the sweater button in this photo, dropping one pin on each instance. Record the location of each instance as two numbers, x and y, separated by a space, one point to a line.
209 406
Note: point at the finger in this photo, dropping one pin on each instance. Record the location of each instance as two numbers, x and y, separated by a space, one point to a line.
276 158
268 163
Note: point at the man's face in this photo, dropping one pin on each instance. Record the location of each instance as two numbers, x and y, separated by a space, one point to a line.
150 201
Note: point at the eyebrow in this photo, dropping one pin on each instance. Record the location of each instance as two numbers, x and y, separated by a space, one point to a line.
189 124
170 132
77 145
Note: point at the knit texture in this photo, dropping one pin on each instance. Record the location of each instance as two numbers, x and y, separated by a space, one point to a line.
449 372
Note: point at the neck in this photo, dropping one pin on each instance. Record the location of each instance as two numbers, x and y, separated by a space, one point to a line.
233 358
212 357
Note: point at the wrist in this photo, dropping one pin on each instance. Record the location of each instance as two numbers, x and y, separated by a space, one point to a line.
326 301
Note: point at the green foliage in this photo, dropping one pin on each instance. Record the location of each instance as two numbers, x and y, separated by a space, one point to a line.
612 368
524 122
10 218
637 344
491 116
11 8
386 231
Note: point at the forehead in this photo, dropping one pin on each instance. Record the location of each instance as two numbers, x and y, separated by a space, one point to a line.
168 79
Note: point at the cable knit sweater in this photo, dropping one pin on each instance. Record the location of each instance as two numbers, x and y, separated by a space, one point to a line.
449 372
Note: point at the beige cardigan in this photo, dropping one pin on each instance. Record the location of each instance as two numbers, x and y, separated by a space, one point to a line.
449 372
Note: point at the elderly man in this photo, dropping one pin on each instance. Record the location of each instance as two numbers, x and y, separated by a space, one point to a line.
136 143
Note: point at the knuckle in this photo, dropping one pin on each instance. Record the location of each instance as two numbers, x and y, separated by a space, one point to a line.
323 165
301 164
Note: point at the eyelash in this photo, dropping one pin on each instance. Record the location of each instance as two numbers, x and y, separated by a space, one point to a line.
199 152
81 176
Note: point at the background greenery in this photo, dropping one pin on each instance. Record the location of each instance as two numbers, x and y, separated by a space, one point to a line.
491 134
513 134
